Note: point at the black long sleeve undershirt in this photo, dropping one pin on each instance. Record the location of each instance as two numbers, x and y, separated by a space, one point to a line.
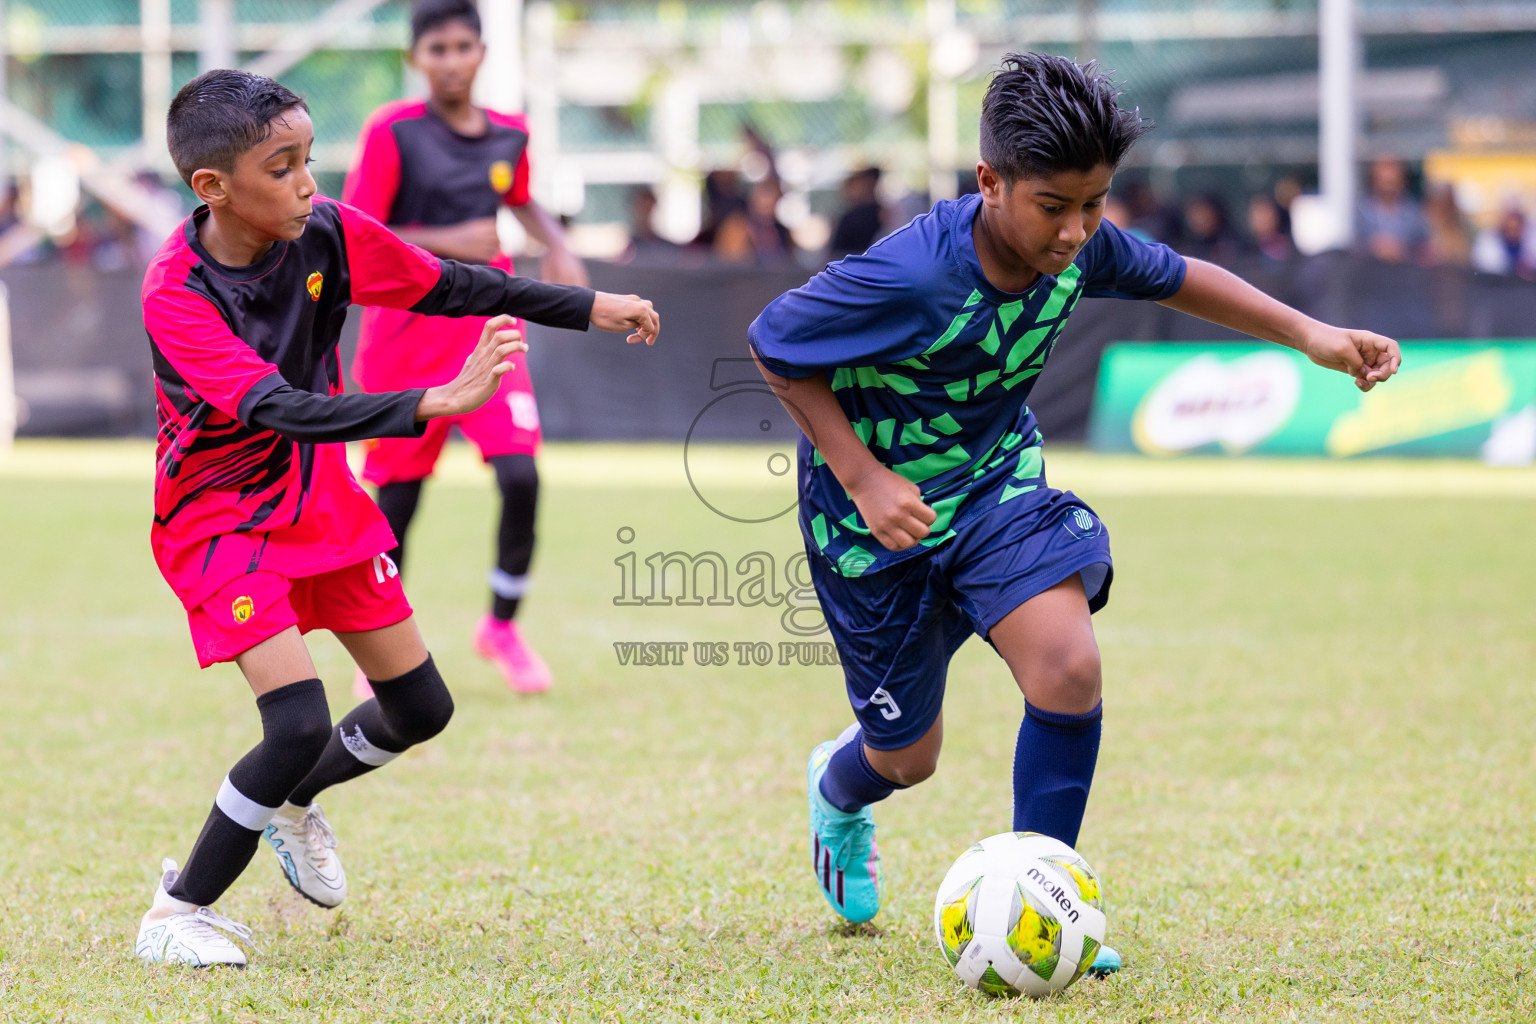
467 289
308 418
462 289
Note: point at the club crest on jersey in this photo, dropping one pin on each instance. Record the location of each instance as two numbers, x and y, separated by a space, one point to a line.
501 176
242 608
313 284
1082 524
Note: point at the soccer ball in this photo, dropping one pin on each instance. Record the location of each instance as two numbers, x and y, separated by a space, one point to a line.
1019 913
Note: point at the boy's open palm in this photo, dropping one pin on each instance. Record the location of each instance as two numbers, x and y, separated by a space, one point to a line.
893 508
1369 358
481 375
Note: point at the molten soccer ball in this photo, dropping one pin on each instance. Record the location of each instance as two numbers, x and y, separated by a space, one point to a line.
1019 912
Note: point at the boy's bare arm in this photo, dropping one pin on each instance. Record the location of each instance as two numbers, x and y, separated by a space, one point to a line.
1221 297
892 505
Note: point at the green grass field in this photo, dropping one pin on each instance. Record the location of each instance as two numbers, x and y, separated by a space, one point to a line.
1314 801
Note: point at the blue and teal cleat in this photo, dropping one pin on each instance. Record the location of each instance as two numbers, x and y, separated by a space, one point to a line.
1105 962
844 857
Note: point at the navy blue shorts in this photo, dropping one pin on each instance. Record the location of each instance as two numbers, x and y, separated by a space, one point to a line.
897 628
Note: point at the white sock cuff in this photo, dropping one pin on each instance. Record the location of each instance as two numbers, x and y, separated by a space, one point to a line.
241 809
504 584
358 746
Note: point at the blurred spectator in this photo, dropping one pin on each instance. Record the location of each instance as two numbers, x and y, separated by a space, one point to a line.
1509 247
863 218
722 199
1286 189
1450 243
644 242
752 233
1205 232
1149 218
1388 223
1119 214
1266 230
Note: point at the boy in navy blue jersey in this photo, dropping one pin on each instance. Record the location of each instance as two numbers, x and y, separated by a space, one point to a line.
924 504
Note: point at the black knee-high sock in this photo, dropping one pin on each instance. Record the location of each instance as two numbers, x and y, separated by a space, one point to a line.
517 477
398 503
404 711
295 726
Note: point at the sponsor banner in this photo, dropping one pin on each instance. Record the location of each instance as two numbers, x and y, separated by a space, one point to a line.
1450 399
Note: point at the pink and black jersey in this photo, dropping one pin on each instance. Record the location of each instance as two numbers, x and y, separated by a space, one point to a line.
412 170
249 476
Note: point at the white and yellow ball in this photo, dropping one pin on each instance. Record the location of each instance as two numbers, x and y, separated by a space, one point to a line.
1019 912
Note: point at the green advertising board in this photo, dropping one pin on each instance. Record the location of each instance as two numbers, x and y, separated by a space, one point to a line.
1449 399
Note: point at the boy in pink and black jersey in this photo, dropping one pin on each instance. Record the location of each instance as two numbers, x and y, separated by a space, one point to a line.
259 527
437 171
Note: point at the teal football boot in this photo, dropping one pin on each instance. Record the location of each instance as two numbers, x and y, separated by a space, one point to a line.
1105 962
844 857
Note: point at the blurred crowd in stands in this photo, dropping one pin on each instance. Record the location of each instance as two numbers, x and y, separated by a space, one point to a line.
1392 223
93 234
742 223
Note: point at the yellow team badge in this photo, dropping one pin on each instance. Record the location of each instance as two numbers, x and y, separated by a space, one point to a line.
243 607
501 176
313 284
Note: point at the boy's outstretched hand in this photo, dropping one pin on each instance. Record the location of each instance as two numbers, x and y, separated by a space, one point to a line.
1369 358
631 313
893 508
481 375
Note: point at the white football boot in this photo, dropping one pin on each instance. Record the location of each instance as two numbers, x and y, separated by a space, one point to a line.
174 931
306 849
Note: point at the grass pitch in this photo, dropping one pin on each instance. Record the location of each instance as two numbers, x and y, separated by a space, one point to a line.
1313 802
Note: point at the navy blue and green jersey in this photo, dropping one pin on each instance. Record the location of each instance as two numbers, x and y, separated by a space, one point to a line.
933 366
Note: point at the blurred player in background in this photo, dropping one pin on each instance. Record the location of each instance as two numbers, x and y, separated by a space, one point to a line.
436 171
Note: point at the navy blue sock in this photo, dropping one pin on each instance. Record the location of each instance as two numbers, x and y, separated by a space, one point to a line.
851 782
1053 769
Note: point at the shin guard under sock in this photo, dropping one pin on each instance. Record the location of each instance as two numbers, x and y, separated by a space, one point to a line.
850 782
1053 769
295 725
403 711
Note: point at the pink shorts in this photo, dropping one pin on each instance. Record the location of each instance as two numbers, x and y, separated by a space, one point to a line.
506 425
261 605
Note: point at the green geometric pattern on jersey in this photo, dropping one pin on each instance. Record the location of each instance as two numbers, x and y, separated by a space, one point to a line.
925 449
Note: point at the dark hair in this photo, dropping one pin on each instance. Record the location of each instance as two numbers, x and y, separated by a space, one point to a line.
427 15
1043 115
221 114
